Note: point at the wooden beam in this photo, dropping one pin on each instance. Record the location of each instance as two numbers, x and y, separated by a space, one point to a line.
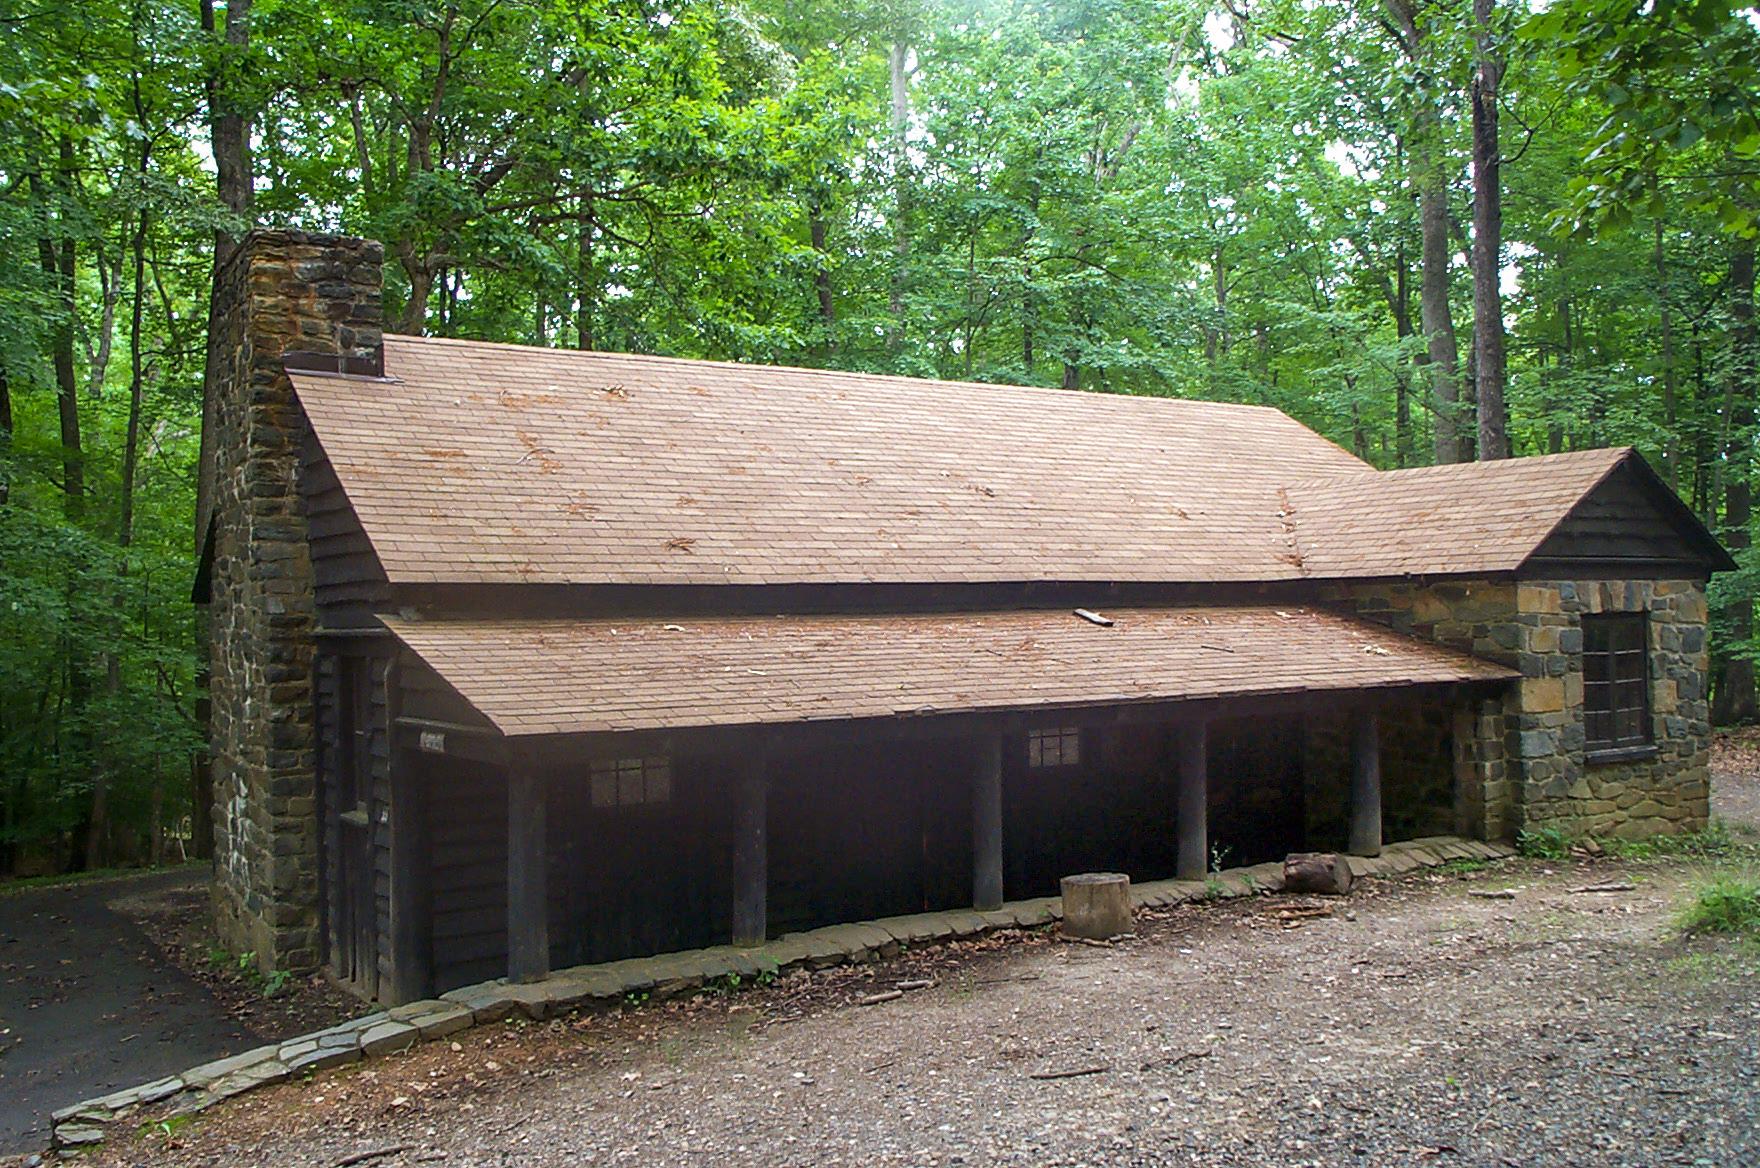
987 824
1194 801
528 929
1366 786
751 857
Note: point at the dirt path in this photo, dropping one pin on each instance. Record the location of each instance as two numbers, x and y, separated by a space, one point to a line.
1418 1025
88 1004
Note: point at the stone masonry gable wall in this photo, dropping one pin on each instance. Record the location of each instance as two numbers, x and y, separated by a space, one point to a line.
1669 791
282 290
1520 762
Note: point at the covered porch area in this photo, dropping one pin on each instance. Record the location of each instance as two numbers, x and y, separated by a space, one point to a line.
586 791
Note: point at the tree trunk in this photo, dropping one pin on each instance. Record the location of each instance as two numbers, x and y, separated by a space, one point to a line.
1735 683
5 432
1488 347
1438 318
414 320
229 134
1670 384
586 282
901 180
59 263
1402 381
816 231
1431 179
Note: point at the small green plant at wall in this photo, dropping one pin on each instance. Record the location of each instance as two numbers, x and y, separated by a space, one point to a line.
1715 840
244 966
1544 843
1727 904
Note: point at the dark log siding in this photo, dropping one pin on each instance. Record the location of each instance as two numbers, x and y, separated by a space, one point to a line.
1113 811
1619 521
869 830
426 697
467 827
632 880
349 584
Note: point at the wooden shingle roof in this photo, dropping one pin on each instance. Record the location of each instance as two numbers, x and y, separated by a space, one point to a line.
563 676
1469 517
476 463
482 463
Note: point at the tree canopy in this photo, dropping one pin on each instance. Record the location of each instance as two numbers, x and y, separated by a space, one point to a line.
1266 201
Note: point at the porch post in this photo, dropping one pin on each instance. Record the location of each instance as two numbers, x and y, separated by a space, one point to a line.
528 929
751 858
987 825
1194 799
1366 786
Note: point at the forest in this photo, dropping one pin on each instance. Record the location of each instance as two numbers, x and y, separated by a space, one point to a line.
1435 230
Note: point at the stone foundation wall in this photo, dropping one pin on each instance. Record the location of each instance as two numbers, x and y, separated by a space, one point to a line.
1521 762
282 290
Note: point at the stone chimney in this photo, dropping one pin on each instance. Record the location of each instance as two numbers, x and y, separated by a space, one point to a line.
316 300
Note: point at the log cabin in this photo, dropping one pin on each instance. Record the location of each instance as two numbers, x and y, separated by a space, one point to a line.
523 658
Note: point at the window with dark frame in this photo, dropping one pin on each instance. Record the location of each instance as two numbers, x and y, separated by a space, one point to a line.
1616 681
1057 746
631 782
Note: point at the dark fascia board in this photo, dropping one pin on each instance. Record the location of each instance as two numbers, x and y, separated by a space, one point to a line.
1717 558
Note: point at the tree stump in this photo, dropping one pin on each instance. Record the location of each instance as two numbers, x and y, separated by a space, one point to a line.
1322 873
1097 905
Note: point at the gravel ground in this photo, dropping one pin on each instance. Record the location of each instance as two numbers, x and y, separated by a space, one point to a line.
1417 1024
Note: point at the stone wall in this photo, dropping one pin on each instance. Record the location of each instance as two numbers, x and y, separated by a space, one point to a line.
281 291
1562 786
1418 780
1521 762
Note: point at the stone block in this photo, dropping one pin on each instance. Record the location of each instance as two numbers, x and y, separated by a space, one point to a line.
487 1001
388 1036
1541 598
1542 695
73 1135
261 1074
211 1072
323 1057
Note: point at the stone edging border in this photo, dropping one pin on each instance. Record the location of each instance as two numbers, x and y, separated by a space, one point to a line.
668 975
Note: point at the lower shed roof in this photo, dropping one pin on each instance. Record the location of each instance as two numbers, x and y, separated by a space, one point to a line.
532 677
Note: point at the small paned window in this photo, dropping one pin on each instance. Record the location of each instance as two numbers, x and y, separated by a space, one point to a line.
1616 681
631 782
1059 746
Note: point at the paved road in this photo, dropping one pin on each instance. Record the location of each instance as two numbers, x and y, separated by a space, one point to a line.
87 1005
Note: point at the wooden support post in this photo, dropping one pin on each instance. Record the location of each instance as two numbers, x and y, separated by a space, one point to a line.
1194 802
412 948
528 929
1366 786
751 859
987 825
